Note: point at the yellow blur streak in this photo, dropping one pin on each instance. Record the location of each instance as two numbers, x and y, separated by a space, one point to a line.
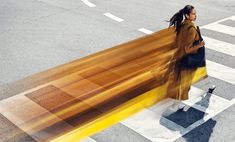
123 111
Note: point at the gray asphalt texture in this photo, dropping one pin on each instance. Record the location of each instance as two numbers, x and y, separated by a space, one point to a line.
36 35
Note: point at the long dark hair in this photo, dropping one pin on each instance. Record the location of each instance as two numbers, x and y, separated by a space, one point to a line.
177 18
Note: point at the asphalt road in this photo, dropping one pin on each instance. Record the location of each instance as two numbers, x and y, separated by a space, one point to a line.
36 35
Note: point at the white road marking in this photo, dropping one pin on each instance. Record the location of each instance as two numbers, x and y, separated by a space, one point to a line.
88 140
156 127
88 3
233 100
145 31
220 46
221 72
226 104
149 125
113 17
221 20
221 28
208 103
232 18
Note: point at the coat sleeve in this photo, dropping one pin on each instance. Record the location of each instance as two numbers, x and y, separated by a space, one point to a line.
189 38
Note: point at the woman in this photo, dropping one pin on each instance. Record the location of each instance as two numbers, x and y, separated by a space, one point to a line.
187 34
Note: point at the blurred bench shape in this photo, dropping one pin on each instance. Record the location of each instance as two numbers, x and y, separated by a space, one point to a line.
80 98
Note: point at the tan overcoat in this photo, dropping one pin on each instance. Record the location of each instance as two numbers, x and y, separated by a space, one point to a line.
181 80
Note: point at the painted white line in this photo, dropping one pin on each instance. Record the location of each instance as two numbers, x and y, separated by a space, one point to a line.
145 31
232 18
208 103
221 28
204 102
151 126
203 120
156 127
195 93
88 3
233 100
221 72
113 17
220 46
88 140
228 18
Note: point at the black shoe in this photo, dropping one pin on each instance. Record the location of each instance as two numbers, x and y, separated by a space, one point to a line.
211 89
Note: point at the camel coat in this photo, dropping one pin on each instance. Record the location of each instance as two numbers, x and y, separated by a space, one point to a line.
181 78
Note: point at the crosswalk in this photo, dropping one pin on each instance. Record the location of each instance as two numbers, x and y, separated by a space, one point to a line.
221 72
220 46
221 28
157 123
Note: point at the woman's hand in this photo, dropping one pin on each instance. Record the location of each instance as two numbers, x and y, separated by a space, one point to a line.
201 44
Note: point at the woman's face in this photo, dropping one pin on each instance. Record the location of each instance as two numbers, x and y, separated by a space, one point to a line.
192 16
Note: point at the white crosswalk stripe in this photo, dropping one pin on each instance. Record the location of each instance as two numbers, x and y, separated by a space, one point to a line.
233 100
222 20
232 18
88 140
221 72
221 28
152 125
220 46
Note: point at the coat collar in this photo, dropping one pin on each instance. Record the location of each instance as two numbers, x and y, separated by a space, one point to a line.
188 22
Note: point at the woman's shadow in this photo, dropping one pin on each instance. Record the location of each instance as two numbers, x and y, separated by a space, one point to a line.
185 120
